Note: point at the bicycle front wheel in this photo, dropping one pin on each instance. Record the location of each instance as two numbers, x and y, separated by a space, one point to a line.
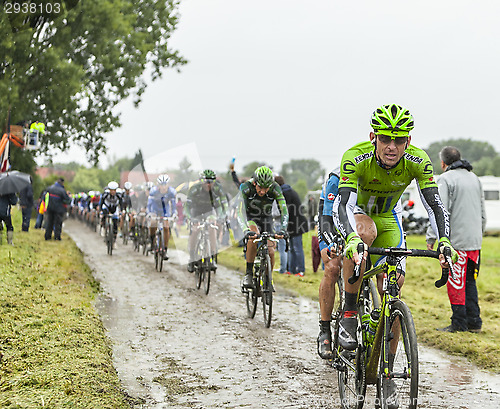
267 290
109 239
252 296
125 230
156 251
207 259
161 251
198 267
399 385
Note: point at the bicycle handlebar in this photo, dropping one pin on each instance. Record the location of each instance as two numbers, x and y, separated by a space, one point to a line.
400 252
445 271
260 237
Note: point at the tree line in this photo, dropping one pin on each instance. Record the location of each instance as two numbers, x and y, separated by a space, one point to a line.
70 66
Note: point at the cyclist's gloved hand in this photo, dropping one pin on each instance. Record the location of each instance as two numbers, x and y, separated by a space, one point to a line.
283 233
445 242
249 234
331 250
352 245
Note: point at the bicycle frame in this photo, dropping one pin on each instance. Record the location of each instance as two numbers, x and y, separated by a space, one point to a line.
391 294
373 362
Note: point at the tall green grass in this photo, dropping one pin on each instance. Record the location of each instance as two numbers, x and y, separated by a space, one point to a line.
54 350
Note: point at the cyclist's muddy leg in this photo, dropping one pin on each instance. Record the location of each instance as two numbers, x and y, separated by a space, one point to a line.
327 286
368 233
166 231
193 236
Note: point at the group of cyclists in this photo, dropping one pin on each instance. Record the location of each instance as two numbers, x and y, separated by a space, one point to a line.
360 206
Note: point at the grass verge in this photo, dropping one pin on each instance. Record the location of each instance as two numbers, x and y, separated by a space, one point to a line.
55 353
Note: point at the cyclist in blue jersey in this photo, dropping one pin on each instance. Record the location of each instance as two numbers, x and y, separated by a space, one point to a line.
331 255
161 202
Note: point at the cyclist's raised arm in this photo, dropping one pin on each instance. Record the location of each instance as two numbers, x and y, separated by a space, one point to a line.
242 207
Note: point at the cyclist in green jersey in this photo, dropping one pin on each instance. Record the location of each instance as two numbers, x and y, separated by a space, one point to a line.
205 200
374 175
255 213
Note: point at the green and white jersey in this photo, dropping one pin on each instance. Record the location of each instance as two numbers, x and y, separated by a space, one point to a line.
363 182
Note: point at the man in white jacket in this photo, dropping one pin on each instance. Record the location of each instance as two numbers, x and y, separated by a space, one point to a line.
462 195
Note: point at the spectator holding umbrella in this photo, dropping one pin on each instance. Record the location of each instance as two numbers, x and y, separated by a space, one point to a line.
6 201
10 183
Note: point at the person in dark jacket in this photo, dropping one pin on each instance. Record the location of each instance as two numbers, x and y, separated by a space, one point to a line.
297 226
26 202
6 201
58 198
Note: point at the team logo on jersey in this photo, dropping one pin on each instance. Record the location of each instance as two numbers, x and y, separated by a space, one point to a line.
375 181
431 179
363 157
331 196
399 172
345 179
413 158
348 167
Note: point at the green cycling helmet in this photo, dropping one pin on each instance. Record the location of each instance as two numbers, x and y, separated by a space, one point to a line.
392 120
208 174
263 176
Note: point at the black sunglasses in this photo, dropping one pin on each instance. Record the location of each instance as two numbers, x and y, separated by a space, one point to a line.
399 140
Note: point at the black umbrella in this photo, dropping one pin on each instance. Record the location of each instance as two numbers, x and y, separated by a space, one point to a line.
13 182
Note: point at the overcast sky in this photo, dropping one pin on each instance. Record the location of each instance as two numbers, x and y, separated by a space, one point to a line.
275 80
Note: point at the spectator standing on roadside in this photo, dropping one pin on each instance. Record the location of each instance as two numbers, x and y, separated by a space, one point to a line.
26 202
6 202
297 226
41 208
58 199
463 198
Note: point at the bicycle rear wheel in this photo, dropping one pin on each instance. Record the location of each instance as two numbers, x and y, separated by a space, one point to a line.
351 374
404 372
267 290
